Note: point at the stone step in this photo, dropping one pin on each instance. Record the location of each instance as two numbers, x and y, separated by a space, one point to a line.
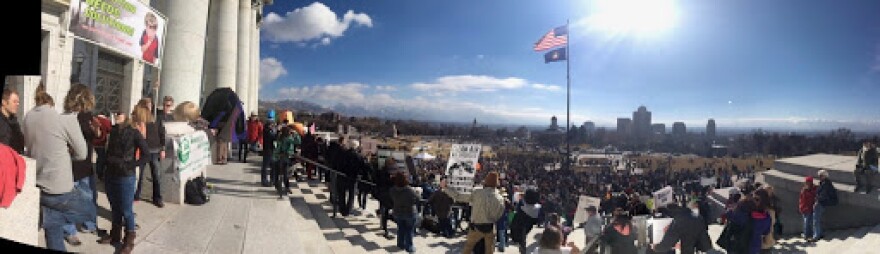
869 243
840 168
856 237
845 192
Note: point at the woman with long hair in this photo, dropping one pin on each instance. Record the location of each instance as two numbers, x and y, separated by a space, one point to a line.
620 235
119 177
79 102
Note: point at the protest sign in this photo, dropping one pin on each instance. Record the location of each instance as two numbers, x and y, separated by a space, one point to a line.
707 181
658 228
580 215
663 197
193 151
461 166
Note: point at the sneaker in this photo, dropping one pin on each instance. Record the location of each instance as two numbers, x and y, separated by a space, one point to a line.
159 204
72 240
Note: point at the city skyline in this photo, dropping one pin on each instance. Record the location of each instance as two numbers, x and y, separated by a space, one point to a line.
781 68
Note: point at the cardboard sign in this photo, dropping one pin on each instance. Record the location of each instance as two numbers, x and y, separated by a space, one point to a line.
707 181
580 215
462 166
658 228
663 197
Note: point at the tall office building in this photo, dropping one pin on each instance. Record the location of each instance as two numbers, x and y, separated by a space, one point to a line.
590 127
624 127
710 128
658 128
641 125
679 129
553 125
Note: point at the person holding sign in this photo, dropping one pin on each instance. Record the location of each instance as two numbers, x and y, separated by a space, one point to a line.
487 206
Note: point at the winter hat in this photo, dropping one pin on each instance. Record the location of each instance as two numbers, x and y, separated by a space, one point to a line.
809 179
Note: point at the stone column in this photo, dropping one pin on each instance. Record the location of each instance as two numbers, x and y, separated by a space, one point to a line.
184 49
245 25
222 46
255 65
133 86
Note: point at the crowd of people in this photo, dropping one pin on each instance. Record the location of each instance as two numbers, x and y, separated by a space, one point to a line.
123 142
64 141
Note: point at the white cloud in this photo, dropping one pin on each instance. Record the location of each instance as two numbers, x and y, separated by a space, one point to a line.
464 83
480 57
552 88
270 70
327 94
386 88
313 22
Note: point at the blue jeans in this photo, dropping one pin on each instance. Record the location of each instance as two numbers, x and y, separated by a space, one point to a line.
266 169
87 188
817 220
120 193
501 236
406 226
155 174
808 224
59 210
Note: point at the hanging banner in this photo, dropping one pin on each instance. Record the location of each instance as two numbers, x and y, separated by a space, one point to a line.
461 166
663 197
193 151
129 27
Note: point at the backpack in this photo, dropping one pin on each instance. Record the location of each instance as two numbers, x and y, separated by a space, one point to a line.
196 191
736 238
121 151
532 196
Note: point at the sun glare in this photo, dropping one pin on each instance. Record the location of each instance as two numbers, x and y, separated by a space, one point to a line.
639 17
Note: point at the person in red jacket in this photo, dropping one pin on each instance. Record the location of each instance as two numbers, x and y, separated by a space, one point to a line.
805 205
254 135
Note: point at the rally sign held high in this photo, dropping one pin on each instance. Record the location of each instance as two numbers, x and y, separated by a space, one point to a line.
462 165
663 197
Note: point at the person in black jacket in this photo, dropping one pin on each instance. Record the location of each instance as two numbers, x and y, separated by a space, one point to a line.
381 193
156 142
119 177
269 136
10 130
826 196
866 167
688 228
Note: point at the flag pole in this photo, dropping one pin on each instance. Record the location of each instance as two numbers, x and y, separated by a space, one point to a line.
568 97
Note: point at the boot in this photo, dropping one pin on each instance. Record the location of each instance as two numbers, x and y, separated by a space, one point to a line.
114 236
128 242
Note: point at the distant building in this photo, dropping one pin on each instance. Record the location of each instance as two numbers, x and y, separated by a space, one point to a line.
624 127
553 125
679 129
589 127
710 128
641 123
658 129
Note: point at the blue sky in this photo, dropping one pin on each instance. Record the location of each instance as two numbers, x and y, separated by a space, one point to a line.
798 64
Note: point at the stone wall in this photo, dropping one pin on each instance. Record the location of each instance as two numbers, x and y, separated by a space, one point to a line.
20 222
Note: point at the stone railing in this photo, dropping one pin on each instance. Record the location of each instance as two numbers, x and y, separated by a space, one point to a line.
20 221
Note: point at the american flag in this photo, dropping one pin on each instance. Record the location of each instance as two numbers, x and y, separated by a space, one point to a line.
556 37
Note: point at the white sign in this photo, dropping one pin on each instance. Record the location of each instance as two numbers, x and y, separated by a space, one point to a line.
663 197
580 216
658 229
129 27
707 181
193 151
462 166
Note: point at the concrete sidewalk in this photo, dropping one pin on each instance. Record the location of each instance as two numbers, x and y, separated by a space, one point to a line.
242 217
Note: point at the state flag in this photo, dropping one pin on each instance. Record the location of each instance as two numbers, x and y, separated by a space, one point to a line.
556 55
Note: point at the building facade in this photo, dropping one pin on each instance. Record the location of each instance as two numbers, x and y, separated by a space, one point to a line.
658 129
624 127
206 44
679 129
641 123
710 129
